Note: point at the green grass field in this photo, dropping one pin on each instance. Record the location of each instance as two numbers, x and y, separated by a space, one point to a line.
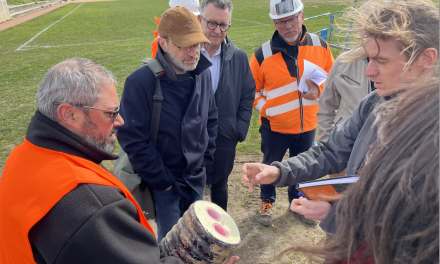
117 35
20 2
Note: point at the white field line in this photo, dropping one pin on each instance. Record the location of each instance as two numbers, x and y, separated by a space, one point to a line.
251 21
29 47
81 44
32 39
250 26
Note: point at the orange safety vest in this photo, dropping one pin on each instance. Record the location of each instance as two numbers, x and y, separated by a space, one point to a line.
33 181
154 46
282 107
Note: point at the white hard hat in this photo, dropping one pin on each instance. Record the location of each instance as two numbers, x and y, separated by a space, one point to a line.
284 8
191 5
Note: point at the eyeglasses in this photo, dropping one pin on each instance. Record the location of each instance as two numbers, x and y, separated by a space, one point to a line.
212 25
114 113
186 50
291 21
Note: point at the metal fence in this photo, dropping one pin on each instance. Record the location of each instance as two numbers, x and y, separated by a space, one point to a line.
327 32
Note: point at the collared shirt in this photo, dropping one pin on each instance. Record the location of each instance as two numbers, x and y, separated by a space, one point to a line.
215 68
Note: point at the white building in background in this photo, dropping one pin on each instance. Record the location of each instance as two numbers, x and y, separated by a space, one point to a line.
4 11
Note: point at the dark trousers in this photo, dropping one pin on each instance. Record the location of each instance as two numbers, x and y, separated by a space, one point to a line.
274 146
169 209
218 172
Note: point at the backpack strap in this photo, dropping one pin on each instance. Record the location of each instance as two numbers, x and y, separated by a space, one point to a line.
154 66
158 71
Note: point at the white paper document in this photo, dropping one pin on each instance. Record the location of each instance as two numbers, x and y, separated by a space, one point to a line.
312 72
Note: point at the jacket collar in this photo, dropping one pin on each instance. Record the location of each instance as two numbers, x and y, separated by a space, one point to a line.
303 34
202 65
227 49
46 133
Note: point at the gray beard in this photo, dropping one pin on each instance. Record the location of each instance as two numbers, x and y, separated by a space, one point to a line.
179 64
93 137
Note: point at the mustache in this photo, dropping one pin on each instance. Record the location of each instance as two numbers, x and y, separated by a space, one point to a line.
114 130
187 57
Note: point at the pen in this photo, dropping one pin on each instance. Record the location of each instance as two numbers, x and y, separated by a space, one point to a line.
300 194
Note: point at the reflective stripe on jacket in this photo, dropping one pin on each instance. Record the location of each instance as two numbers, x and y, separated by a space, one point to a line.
33 181
282 107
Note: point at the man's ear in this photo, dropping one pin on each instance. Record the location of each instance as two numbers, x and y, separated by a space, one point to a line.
199 17
163 44
427 58
69 116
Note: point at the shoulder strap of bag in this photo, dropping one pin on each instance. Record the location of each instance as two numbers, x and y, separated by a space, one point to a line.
158 71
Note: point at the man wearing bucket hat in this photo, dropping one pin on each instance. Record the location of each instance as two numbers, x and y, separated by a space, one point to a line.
191 5
174 168
287 116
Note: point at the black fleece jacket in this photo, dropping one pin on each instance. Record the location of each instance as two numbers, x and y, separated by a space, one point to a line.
92 223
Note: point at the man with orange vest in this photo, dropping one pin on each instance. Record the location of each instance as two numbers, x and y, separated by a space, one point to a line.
191 5
58 204
287 116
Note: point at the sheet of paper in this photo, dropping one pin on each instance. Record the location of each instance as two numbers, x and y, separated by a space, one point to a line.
312 72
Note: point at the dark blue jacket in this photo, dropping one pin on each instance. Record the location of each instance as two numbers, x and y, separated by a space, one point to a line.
186 139
235 93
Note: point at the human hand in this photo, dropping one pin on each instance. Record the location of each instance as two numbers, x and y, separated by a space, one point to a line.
232 260
313 93
315 210
258 173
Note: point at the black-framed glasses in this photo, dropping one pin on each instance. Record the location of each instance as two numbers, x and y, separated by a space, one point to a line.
284 22
186 50
212 25
114 113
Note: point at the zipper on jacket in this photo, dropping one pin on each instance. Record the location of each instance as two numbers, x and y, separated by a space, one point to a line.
337 123
299 95
219 81
345 77
297 82
222 54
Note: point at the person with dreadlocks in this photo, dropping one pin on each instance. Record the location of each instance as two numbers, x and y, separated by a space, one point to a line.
401 37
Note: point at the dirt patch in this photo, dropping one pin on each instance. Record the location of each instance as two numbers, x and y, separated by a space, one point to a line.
263 244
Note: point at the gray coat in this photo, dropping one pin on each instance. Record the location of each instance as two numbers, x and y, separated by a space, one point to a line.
345 87
346 148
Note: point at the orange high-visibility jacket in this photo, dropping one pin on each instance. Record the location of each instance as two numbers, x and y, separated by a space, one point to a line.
282 107
156 40
33 181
